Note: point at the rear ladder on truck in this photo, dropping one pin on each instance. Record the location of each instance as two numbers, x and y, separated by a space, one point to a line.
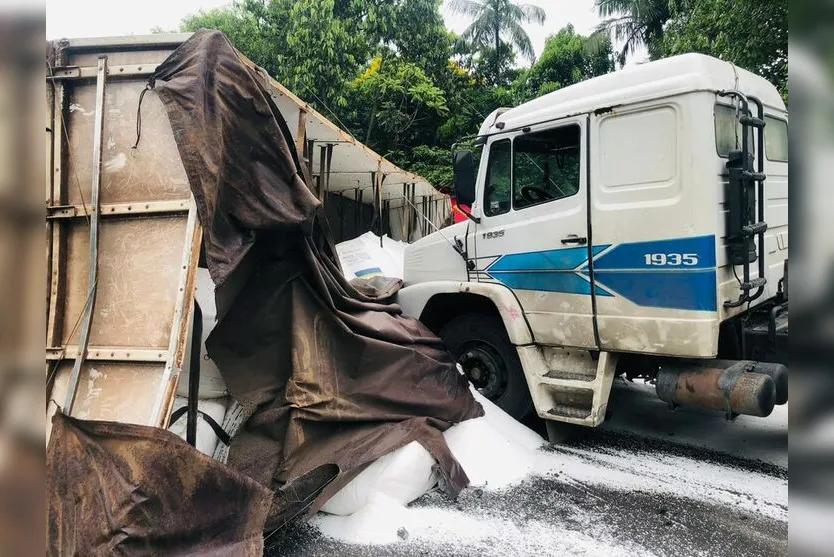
764 331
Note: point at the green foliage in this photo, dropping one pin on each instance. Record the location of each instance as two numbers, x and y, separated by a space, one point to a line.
504 59
469 105
305 44
568 58
497 21
392 74
432 163
634 23
398 96
419 34
750 33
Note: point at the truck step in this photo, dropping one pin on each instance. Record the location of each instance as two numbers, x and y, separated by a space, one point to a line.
754 229
753 176
585 385
572 412
751 121
568 384
755 283
569 375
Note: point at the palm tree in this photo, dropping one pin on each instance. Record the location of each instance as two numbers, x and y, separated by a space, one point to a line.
494 19
634 23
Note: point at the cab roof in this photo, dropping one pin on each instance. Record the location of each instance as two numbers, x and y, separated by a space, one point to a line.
662 78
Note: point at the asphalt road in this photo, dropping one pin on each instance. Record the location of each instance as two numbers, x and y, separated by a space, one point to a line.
647 483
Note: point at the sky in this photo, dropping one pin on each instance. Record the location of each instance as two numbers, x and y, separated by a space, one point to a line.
101 18
105 18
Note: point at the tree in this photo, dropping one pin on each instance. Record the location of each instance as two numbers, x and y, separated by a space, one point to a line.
316 47
750 33
432 163
469 105
246 28
567 58
419 35
399 94
497 19
306 44
634 23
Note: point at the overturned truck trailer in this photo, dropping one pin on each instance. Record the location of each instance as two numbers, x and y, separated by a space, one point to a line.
173 152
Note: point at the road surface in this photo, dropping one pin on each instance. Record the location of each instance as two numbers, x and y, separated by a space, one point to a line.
651 481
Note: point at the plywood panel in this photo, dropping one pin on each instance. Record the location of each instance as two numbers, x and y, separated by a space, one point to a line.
152 172
139 272
111 391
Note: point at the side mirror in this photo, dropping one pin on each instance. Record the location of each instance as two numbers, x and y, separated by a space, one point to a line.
464 166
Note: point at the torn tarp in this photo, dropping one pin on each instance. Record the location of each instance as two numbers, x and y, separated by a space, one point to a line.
330 374
120 489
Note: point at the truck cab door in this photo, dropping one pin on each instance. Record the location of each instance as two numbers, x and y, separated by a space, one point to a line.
533 230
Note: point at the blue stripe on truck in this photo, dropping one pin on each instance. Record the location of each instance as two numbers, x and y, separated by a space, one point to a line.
677 273
689 290
633 255
548 281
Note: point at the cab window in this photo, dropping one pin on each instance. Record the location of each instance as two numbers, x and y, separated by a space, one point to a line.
498 188
728 131
776 139
546 166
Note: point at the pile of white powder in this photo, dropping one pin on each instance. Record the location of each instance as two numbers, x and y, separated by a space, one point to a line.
497 452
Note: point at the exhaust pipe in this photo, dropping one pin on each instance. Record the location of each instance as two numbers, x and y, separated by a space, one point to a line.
737 389
779 374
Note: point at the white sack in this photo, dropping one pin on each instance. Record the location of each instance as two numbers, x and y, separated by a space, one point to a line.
363 257
206 438
494 451
402 476
212 384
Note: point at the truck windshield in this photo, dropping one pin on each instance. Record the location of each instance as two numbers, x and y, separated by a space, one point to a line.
546 166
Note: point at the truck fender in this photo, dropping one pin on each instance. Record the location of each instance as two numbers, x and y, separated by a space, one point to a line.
413 300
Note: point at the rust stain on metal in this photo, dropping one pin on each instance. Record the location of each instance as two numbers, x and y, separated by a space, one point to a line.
733 390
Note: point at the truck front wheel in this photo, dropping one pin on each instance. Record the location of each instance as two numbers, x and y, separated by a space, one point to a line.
481 346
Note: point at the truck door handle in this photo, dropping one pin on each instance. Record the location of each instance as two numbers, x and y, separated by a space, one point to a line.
574 239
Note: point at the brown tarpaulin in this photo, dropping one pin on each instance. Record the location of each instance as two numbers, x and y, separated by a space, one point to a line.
119 489
328 372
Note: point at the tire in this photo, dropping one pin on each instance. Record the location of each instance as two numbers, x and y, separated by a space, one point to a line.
480 344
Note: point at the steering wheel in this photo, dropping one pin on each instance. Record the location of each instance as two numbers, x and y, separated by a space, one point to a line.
534 194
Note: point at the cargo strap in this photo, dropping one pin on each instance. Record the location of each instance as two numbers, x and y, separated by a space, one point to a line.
224 437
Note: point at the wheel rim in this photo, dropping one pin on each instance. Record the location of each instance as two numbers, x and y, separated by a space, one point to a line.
484 367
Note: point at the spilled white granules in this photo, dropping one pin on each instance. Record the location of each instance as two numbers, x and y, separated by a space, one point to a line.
383 522
497 452
620 469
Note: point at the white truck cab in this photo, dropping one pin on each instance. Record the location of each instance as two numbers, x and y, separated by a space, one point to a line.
635 223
